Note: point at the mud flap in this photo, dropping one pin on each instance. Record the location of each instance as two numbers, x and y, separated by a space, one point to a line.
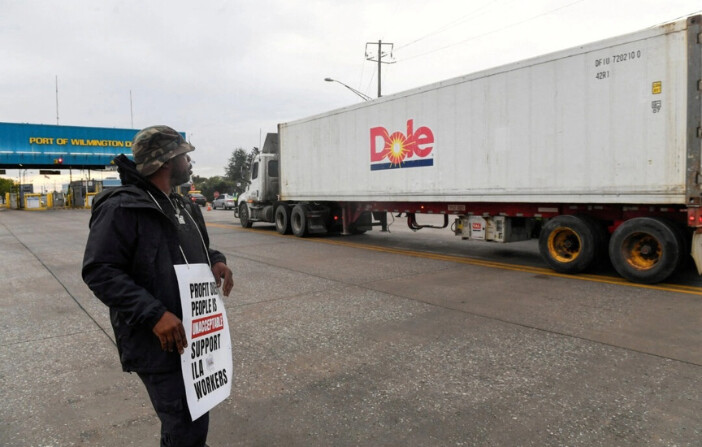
697 250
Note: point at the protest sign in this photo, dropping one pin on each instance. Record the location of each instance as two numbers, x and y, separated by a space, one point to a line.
207 362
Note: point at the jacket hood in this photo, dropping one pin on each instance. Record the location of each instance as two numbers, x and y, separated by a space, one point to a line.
135 186
128 172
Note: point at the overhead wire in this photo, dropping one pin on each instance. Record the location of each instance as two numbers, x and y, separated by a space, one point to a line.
372 78
455 23
363 72
521 22
448 26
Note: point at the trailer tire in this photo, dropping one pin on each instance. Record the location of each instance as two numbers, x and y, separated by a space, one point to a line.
362 224
282 219
601 239
298 220
569 244
645 250
244 216
684 240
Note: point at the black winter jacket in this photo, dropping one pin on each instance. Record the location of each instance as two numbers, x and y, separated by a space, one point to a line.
128 264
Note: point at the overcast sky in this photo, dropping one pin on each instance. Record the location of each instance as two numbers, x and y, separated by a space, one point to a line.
227 72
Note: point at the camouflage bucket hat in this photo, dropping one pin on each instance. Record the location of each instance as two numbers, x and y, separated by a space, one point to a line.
155 145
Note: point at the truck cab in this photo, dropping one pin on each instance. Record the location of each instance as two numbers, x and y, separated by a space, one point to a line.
257 202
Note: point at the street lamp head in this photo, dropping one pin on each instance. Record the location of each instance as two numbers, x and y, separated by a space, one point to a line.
362 95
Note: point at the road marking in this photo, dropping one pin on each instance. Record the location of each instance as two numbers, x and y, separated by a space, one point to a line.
677 288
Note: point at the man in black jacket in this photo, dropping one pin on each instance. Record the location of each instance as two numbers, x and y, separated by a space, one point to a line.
138 232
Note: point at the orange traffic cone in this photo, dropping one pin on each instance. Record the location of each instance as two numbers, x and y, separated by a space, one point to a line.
209 208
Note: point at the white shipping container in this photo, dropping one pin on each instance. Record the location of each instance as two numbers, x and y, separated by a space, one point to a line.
609 122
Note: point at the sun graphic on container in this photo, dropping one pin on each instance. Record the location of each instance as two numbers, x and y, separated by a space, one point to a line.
398 148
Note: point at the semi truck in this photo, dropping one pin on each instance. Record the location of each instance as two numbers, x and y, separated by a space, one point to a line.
594 150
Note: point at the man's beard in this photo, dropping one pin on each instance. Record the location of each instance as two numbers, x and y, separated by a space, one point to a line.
178 178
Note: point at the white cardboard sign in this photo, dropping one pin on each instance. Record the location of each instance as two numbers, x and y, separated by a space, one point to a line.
207 361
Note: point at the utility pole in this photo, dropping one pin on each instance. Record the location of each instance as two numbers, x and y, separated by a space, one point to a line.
379 57
57 108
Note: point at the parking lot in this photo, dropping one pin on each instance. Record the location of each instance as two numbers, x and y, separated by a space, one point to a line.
383 339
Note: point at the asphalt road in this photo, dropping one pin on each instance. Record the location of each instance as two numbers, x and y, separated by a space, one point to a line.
382 339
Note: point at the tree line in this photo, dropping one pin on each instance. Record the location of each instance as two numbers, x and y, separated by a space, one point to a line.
235 179
7 185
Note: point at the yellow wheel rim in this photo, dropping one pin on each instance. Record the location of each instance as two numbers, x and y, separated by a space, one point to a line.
564 244
642 251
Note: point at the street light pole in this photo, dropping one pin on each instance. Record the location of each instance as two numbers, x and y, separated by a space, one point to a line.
362 95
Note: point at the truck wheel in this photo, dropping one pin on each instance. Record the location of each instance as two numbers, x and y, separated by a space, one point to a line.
362 224
601 238
684 241
244 216
298 221
645 250
282 219
569 243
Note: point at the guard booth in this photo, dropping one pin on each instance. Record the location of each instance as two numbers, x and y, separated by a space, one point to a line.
81 192
35 202
76 193
58 199
24 189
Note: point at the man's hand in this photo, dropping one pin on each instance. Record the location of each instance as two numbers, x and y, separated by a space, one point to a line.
171 333
220 270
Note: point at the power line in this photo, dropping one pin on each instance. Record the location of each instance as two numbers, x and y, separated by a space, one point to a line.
363 72
370 81
496 30
451 24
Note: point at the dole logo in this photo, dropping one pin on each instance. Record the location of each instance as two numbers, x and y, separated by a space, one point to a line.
391 151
